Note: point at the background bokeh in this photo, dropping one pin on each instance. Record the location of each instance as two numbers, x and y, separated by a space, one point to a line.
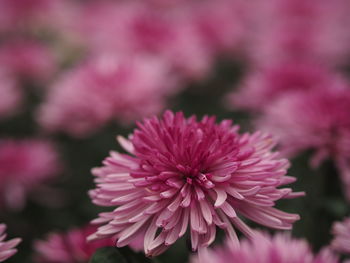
66 60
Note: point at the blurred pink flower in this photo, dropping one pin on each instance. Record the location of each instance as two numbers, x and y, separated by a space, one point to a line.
341 232
313 120
187 53
18 14
220 24
69 247
27 59
137 28
105 88
182 173
284 30
10 95
24 166
7 248
263 248
261 87
171 3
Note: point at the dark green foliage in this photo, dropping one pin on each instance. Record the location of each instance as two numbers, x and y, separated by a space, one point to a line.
119 255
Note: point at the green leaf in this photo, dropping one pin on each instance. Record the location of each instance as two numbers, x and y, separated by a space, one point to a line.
118 255
108 255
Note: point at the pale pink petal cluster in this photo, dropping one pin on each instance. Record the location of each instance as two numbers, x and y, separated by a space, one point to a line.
313 120
264 85
10 95
161 42
187 175
27 59
220 24
263 248
7 248
68 247
188 36
341 232
24 166
284 30
136 28
19 14
105 88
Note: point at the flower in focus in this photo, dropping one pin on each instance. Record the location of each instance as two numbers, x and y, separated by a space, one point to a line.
313 120
341 241
103 89
262 87
70 247
7 247
182 173
24 166
263 248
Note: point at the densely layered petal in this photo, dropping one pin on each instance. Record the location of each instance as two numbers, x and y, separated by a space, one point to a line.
7 248
183 175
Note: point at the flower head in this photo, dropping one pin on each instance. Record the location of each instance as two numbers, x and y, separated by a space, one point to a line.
7 247
28 59
280 248
70 247
341 241
220 24
135 27
10 95
183 173
24 166
263 86
313 120
19 15
304 31
105 88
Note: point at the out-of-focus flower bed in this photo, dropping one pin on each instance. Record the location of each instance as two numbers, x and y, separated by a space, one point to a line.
76 74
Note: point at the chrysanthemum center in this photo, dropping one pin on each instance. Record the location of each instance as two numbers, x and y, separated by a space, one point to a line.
195 176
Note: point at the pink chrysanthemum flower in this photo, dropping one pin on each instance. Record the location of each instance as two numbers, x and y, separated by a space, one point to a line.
182 173
341 241
70 247
24 166
27 59
313 120
220 24
263 248
137 28
7 248
23 14
10 95
305 31
263 86
106 88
